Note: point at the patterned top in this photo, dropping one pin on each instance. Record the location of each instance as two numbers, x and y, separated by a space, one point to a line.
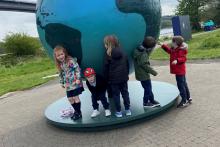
70 72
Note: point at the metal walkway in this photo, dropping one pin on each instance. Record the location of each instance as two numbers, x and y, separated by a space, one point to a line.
9 5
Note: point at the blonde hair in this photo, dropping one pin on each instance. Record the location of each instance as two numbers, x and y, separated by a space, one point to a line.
57 62
111 41
178 40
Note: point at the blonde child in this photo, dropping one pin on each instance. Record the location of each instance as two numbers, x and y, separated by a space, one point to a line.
70 78
116 70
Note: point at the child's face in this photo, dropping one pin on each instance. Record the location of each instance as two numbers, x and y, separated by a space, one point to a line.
60 55
91 79
174 45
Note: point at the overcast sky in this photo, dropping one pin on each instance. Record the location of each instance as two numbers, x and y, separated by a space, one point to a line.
25 22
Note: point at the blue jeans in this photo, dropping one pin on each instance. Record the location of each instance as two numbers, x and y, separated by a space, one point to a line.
123 89
102 98
183 87
148 94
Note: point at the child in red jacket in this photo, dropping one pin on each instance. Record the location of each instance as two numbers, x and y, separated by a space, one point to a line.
178 53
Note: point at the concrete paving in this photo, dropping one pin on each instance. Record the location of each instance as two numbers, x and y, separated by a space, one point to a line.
22 122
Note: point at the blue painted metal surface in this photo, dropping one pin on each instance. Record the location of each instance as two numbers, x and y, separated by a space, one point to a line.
80 26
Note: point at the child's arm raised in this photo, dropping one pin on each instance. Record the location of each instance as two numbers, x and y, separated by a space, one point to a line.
166 48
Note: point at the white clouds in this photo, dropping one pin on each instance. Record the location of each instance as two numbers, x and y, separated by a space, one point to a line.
25 22
17 22
168 7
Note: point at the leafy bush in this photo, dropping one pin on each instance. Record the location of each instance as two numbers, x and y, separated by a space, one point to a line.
211 43
20 44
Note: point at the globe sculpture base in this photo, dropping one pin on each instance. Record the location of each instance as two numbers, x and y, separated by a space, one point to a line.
165 93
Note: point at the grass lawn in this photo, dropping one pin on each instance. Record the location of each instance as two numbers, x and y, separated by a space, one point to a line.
202 46
25 75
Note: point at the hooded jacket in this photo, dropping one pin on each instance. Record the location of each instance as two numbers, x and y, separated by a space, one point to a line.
116 67
178 54
100 88
142 64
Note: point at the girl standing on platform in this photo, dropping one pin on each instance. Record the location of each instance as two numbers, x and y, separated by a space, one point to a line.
116 70
70 78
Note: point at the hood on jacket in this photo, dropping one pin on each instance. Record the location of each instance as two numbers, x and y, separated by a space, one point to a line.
117 53
184 46
141 48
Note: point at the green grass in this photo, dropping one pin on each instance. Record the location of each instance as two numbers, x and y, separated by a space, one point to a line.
202 46
25 75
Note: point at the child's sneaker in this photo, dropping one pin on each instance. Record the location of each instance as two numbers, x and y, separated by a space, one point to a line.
107 112
182 104
95 113
118 114
155 104
148 105
190 100
128 112
76 116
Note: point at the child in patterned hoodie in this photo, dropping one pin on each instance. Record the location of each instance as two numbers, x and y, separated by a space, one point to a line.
70 78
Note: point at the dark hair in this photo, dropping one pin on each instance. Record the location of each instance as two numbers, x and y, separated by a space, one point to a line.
178 40
149 42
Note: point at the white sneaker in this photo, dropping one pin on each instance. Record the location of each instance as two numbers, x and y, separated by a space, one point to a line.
128 112
107 112
95 113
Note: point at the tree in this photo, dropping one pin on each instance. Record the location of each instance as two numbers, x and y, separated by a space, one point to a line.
21 44
217 14
212 12
194 9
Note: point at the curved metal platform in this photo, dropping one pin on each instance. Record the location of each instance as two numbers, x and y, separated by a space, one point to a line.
165 93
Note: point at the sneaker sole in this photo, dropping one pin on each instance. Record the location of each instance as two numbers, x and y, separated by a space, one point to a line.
158 105
147 106
118 116
182 106
95 116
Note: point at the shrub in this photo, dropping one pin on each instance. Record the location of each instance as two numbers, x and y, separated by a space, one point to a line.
211 43
20 44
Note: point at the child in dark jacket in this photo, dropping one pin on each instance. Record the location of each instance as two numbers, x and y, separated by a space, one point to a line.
97 86
143 70
178 53
116 70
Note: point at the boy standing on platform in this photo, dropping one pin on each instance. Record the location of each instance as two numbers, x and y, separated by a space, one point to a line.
178 52
143 70
97 86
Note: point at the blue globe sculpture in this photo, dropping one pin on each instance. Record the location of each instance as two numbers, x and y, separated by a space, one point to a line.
80 26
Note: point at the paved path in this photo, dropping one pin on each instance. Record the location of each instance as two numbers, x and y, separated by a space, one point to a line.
22 122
